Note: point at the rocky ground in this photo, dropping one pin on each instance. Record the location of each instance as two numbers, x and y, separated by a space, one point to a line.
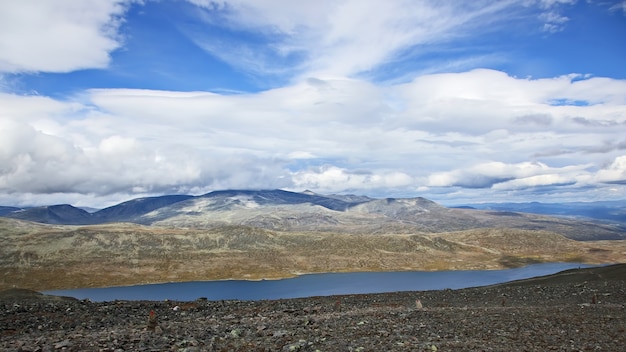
575 313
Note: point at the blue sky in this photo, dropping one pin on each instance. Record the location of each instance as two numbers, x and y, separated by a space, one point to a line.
102 101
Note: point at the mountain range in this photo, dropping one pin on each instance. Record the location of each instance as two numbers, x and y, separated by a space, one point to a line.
307 211
608 211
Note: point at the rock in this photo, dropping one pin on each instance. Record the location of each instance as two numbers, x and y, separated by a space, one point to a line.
280 333
62 344
297 346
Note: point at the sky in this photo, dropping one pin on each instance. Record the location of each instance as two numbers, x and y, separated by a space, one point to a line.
102 101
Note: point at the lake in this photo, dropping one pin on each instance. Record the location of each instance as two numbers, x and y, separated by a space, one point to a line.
327 284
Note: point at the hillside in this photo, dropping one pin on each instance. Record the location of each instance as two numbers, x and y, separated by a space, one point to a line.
39 256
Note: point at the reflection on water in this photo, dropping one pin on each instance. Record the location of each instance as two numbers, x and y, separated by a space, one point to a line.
316 284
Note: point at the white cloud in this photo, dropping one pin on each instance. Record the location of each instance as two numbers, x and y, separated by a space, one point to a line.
31 166
615 172
117 145
58 35
553 21
498 87
300 155
331 179
486 175
34 107
546 4
620 6
534 181
339 38
551 17
332 38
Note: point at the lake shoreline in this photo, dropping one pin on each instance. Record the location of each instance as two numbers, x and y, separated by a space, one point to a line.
324 284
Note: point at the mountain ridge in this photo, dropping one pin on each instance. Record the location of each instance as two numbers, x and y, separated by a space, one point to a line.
282 210
133 209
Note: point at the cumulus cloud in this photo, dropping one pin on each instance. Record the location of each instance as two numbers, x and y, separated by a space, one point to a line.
615 172
118 165
58 36
486 175
332 179
31 166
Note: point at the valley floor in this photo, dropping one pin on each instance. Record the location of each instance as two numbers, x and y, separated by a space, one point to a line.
557 314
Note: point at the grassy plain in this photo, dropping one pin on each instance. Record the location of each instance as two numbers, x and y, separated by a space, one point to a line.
43 257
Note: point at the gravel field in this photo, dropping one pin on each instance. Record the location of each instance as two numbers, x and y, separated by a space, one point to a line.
545 315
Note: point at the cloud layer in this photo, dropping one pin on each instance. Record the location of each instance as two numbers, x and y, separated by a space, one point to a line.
477 130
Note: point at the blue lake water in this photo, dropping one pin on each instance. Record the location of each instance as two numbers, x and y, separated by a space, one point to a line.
316 284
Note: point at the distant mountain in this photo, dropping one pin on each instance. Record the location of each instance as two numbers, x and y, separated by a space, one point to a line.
306 212
63 214
7 210
280 210
69 215
132 209
280 197
614 211
271 209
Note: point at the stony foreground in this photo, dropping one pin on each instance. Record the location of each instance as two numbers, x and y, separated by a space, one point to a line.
544 315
